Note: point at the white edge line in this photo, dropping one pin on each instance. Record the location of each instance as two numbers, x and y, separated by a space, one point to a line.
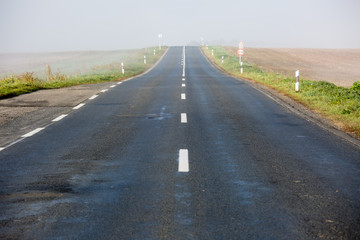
79 106
105 90
1 149
119 83
59 118
183 160
93 97
113 86
32 132
183 118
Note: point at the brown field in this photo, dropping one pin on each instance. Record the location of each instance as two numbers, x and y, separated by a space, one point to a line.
339 66
68 63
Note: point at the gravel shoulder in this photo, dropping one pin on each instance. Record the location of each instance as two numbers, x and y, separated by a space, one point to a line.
22 114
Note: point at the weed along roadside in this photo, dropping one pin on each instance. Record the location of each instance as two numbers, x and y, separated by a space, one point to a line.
29 81
338 104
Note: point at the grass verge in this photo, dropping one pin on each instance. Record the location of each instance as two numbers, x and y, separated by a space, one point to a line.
340 105
27 82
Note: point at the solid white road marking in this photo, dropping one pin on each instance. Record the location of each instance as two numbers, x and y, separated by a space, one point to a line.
105 90
183 96
32 132
183 85
183 160
113 86
1 149
79 106
93 97
183 118
59 118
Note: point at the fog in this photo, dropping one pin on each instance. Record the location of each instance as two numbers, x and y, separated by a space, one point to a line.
67 25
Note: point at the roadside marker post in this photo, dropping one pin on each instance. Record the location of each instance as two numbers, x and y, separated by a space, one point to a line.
154 52
222 59
241 52
212 52
144 59
297 76
122 68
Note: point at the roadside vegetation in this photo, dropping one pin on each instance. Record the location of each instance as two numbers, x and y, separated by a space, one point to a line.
13 85
339 104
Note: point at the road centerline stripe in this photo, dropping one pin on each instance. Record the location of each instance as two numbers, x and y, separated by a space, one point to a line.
183 96
32 132
59 118
183 160
183 118
183 85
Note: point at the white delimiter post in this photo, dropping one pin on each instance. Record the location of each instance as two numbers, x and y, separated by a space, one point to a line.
122 68
144 59
297 74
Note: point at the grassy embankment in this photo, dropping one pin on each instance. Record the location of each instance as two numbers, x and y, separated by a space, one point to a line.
27 82
339 104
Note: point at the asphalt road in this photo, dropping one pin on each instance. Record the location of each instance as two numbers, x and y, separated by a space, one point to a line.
163 156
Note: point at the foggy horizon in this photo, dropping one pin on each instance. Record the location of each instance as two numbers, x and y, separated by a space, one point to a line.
65 26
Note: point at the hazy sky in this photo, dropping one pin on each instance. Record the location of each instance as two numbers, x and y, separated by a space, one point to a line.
66 25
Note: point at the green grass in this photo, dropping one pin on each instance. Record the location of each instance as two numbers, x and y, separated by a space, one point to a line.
27 82
339 104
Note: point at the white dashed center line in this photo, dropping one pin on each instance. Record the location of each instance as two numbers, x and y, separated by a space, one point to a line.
183 79
183 160
79 106
183 85
59 118
183 118
183 96
32 132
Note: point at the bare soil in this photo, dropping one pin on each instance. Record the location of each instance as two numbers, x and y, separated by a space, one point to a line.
338 66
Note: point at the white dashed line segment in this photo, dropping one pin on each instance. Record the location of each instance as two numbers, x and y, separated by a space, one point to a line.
183 160
183 85
183 96
59 118
183 118
93 97
32 132
112 86
79 106
105 90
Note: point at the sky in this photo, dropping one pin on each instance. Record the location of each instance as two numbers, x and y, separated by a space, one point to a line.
71 25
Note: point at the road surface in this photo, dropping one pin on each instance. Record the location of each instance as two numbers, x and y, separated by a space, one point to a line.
182 152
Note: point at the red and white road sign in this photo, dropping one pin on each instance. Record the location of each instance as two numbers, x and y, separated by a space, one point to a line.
240 52
241 45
